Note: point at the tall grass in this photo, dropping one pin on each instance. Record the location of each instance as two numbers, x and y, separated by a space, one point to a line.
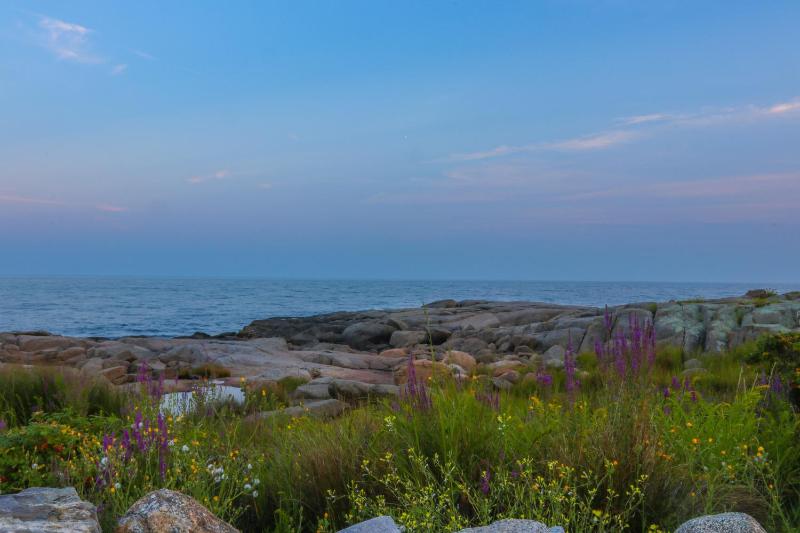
641 449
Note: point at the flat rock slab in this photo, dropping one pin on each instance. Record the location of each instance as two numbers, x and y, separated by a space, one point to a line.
722 523
46 510
323 409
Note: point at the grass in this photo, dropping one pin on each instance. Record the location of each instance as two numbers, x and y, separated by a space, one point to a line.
640 452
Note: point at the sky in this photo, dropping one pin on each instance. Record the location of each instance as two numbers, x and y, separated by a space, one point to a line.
547 140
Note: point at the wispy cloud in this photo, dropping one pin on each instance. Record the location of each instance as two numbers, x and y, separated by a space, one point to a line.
786 107
143 55
643 119
781 186
14 199
67 40
109 208
218 175
265 186
598 141
638 126
27 200
116 70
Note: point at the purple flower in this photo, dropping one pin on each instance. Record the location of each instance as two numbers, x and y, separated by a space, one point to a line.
416 392
485 478
607 320
666 392
491 399
3 425
544 379
776 386
569 368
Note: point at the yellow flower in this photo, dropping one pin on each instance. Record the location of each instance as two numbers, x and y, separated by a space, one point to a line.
695 441
688 424
216 498
597 512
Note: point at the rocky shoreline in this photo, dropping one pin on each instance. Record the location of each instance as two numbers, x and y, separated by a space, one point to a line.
367 348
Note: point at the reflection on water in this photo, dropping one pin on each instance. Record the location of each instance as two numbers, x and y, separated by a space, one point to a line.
178 403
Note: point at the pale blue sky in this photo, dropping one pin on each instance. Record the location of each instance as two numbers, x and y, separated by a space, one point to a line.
598 140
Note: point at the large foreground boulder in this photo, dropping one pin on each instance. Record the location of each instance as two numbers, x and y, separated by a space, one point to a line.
514 526
45 510
165 510
722 523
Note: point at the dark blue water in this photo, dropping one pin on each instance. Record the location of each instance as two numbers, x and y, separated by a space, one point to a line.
115 307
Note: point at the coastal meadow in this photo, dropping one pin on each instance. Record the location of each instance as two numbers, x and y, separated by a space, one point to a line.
619 439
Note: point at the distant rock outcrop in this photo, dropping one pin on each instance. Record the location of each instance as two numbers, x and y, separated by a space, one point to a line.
366 352
487 328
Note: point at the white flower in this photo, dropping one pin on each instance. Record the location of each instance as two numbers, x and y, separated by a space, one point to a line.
249 466
255 494
104 461
248 487
184 448
34 466
171 442
256 481
117 486
141 425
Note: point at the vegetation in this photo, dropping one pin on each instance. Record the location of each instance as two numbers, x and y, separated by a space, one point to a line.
625 443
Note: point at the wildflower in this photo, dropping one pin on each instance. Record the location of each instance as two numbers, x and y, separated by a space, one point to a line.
34 466
256 481
248 487
104 461
184 448
249 466
255 494
689 424
485 477
117 485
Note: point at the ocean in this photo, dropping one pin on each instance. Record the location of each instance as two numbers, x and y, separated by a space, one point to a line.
117 307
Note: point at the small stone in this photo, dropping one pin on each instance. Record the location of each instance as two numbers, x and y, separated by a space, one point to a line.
115 374
512 376
692 363
462 359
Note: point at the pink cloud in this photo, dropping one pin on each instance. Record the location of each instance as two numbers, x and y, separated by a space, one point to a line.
108 208
13 199
218 175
